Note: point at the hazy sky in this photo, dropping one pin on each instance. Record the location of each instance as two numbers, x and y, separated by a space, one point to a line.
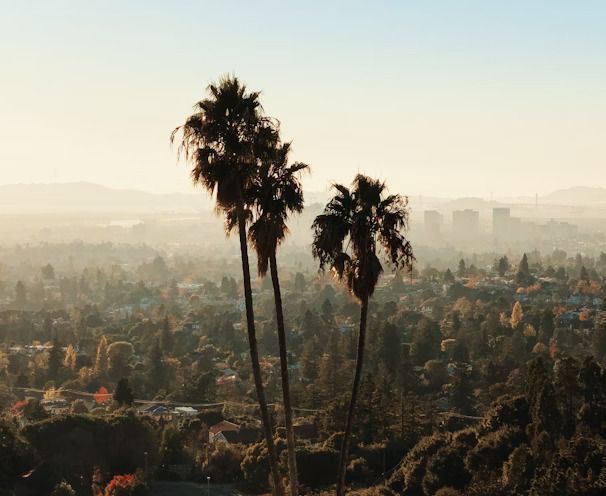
451 98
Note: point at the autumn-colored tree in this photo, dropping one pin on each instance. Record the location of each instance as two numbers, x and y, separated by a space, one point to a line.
69 362
101 363
516 315
124 485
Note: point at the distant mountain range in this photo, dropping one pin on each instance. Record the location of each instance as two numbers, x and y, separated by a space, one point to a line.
90 197
578 195
82 196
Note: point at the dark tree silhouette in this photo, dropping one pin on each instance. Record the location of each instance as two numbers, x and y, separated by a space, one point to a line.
277 193
123 395
223 140
346 236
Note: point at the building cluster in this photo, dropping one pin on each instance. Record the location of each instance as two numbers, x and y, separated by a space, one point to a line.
466 225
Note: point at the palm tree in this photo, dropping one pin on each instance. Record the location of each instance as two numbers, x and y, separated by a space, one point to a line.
277 193
223 141
346 236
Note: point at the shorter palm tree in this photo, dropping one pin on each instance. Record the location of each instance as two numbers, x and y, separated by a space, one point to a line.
278 193
346 236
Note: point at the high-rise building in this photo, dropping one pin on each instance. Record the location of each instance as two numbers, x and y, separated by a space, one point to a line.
433 222
465 222
501 222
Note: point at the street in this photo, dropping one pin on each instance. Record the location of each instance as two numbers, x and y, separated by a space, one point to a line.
164 488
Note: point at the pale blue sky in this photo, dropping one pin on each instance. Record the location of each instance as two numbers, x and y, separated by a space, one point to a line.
448 98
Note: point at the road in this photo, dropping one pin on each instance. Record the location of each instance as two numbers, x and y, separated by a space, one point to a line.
162 488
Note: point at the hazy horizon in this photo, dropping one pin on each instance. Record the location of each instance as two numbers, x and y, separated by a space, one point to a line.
455 100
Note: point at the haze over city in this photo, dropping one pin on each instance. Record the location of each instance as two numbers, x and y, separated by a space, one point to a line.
447 99
325 248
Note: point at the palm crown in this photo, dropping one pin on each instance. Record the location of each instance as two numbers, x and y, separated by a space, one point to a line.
277 192
223 139
353 223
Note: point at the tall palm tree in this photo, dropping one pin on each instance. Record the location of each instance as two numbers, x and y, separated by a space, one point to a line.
278 193
223 140
346 236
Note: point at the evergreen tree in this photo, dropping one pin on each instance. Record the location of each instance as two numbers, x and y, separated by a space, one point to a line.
462 270
123 396
390 347
523 276
55 360
310 361
166 337
20 295
461 392
503 266
156 367
547 325
449 277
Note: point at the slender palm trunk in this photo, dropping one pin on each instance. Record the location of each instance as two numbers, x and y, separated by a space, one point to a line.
254 357
290 434
354 398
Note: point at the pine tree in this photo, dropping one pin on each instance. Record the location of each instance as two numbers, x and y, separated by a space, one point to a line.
449 277
461 391
584 275
156 366
54 360
123 395
503 266
309 360
20 294
166 337
462 270
390 347
523 276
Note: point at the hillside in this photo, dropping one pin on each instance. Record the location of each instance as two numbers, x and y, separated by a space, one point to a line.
81 196
578 195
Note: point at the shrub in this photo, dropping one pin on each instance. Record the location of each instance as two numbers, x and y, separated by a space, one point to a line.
63 489
445 468
493 449
408 478
357 470
125 485
223 464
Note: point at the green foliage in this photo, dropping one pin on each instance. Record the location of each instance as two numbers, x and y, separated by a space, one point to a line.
445 468
63 489
224 463
408 479
493 449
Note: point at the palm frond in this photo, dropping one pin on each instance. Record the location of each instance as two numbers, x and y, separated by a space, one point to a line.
365 217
